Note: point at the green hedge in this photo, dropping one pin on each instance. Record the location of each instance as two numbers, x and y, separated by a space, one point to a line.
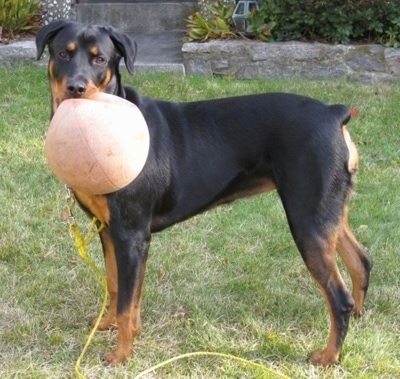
336 21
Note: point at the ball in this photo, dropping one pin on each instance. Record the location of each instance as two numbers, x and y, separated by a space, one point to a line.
97 146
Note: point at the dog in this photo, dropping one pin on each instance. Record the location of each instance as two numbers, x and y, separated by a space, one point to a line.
207 153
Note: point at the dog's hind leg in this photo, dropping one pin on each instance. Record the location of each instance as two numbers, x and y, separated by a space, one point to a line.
340 303
357 262
318 251
315 226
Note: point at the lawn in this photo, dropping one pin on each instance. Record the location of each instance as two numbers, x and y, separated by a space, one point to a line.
228 281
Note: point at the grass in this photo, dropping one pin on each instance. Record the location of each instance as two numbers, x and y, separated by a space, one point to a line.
233 272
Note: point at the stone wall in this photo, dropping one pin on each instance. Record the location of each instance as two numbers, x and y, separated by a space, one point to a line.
250 59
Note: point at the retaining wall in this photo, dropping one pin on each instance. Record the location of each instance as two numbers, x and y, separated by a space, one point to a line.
250 59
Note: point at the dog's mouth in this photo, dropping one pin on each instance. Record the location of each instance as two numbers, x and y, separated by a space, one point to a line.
64 91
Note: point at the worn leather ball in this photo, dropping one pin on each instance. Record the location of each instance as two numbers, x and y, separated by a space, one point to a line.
99 145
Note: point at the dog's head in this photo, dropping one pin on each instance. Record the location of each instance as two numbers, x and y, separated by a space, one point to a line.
84 59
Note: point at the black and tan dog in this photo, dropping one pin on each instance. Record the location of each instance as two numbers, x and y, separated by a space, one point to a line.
208 153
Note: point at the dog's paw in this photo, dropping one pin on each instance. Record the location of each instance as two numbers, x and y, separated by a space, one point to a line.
116 357
324 358
106 323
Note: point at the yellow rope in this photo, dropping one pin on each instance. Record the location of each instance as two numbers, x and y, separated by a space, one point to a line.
269 373
81 246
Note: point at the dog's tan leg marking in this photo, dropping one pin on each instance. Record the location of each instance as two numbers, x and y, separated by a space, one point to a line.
325 271
356 261
129 324
109 320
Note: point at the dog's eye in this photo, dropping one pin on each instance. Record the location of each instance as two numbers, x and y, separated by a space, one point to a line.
63 55
99 60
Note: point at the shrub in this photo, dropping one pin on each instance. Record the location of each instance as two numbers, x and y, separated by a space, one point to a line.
258 27
336 21
216 24
19 16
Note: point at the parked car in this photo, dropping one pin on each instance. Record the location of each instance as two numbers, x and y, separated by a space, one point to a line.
242 9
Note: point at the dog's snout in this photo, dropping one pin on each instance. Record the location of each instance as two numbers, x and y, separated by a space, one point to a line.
76 88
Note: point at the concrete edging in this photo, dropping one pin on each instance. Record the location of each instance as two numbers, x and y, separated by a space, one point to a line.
25 51
15 52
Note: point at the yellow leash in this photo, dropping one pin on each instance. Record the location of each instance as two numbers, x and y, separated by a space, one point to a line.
268 372
81 244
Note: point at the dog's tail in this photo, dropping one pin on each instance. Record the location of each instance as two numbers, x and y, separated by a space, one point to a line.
342 113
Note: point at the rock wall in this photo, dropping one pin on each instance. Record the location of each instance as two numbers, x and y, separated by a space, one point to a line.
250 59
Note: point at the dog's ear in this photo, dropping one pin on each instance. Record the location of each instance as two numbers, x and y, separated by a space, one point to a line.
125 46
46 34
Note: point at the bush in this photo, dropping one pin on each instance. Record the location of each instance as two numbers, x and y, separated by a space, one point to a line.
19 16
336 21
215 24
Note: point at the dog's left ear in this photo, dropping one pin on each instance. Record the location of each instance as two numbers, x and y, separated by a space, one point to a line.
125 46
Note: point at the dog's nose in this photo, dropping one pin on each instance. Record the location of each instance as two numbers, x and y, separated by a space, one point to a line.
76 88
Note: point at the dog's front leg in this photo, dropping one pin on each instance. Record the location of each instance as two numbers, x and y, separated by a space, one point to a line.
98 206
131 250
110 319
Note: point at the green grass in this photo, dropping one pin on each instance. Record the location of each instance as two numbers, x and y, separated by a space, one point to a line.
234 270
